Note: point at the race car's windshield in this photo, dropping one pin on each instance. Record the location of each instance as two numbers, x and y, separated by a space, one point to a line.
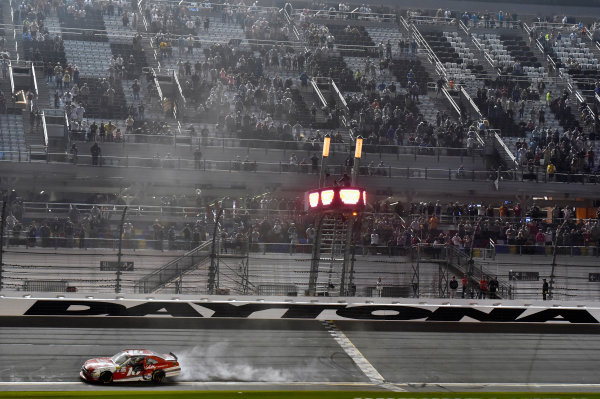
119 358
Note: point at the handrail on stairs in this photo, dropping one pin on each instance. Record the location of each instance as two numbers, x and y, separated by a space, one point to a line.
173 269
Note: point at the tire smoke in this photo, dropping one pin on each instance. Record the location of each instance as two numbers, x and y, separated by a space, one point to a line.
210 364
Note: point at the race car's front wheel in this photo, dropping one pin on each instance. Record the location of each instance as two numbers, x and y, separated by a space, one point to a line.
106 377
158 377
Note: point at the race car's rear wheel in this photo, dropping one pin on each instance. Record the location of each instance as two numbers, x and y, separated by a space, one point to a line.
106 377
158 377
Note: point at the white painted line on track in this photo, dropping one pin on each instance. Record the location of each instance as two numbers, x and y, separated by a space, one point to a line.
501 384
218 383
336 383
361 361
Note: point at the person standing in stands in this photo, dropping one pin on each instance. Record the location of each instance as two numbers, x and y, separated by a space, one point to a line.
102 132
95 151
453 287
378 288
465 282
545 289
197 157
493 287
483 287
158 235
93 131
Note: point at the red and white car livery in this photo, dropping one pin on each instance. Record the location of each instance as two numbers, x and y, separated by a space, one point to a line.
131 365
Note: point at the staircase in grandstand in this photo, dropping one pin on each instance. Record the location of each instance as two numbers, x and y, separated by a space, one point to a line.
172 271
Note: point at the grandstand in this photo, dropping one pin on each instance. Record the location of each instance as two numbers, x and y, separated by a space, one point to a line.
201 108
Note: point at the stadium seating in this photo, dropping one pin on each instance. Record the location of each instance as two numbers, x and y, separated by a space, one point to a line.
12 139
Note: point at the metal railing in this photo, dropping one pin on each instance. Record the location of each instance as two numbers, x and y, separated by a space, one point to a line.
19 240
173 269
439 67
183 140
462 259
284 167
354 14
503 149
45 128
318 92
470 100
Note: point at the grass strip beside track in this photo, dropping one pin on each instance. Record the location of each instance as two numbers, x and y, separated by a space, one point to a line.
297 395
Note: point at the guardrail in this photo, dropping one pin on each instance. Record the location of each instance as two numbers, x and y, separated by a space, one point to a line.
36 210
470 100
439 67
462 26
339 93
77 241
45 128
283 167
505 150
141 12
318 93
335 14
18 243
12 80
183 140
34 76
486 55
32 210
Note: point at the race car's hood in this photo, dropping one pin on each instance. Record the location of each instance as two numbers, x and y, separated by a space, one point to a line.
99 363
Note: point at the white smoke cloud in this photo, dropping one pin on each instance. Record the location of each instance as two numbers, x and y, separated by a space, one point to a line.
206 364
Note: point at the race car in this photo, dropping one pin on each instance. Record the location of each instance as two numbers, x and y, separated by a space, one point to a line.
131 365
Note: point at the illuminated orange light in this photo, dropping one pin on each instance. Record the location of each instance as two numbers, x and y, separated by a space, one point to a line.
313 199
358 149
364 198
349 196
326 144
327 197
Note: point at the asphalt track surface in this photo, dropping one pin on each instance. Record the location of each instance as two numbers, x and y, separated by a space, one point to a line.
46 354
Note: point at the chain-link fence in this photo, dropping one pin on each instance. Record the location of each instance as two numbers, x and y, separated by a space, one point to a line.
284 269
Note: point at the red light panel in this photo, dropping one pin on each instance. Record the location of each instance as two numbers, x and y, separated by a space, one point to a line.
313 199
349 196
327 197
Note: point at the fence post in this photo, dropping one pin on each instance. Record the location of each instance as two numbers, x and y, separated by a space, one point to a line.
119 254
2 224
